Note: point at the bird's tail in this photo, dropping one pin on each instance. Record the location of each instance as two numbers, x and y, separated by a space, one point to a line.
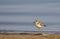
44 25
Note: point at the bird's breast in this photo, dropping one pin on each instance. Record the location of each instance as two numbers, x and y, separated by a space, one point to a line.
38 24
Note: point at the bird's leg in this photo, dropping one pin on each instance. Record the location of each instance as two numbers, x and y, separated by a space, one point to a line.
39 30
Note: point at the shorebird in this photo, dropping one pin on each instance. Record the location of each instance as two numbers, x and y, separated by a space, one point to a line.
38 23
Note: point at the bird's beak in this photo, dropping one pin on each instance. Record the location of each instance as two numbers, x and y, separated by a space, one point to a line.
33 22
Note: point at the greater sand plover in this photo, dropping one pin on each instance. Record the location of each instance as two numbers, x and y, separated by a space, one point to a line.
38 23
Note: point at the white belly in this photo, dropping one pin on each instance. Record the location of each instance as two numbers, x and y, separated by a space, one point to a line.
38 25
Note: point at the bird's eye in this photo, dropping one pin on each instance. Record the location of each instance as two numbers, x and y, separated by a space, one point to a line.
36 20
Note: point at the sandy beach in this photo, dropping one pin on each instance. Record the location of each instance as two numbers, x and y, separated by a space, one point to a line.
28 36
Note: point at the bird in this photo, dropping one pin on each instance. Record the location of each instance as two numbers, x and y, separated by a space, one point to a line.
38 23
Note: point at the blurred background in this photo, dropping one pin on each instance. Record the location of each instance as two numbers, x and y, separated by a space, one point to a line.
20 14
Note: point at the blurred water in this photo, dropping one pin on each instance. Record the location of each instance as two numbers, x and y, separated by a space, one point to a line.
24 21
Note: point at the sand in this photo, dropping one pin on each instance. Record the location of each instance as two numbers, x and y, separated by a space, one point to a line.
28 36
